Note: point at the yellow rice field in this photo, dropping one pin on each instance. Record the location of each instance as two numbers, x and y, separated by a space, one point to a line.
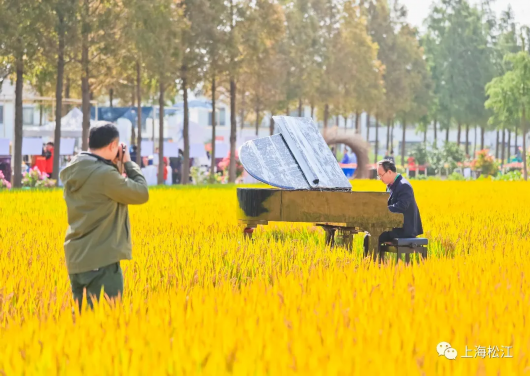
201 300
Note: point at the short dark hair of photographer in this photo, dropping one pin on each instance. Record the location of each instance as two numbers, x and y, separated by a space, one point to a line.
387 165
102 134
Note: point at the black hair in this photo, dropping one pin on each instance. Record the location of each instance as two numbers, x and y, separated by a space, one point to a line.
387 165
50 143
102 134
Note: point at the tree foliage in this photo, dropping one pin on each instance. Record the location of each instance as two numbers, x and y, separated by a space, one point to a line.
341 58
509 96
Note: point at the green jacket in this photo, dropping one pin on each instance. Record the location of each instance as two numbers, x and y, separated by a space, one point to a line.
96 195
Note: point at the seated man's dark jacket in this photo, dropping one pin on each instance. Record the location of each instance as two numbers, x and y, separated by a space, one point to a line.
402 201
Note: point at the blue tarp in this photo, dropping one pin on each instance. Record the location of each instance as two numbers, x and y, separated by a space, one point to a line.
196 103
112 114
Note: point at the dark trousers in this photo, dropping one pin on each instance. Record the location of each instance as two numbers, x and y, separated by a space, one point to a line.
395 233
109 277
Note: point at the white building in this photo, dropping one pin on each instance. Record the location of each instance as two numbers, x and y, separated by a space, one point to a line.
31 110
200 129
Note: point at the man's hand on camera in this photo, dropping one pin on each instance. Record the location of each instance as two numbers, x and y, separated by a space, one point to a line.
127 155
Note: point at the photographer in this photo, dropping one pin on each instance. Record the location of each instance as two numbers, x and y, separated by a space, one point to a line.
97 195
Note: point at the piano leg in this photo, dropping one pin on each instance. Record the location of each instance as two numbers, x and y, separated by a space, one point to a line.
371 242
248 232
366 244
330 235
347 240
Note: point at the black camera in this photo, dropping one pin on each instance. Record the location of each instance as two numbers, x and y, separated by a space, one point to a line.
123 149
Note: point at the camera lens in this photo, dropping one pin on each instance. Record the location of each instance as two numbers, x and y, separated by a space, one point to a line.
123 148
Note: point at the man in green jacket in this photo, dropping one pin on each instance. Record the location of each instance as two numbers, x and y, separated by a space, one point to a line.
97 195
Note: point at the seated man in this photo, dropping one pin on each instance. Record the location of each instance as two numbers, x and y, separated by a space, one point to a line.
346 158
401 201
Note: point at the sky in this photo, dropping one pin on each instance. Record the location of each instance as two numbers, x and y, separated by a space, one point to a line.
418 10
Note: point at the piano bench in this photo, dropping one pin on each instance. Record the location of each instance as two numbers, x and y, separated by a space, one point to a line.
404 246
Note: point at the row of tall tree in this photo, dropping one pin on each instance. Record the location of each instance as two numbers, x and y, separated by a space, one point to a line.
339 57
469 50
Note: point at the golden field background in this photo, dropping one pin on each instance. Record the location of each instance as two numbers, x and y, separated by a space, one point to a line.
201 299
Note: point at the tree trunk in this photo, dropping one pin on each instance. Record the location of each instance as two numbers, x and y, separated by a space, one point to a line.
85 105
85 85
154 128
326 116
161 165
435 132
312 110
357 123
367 127
58 93
300 107
497 145
19 86
482 138
515 146
475 142
111 96
392 136
133 125
447 134
404 126
459 134
67 94
467 139
425 137
523 131
139 115
388 136
214 124
509 146
185 131
271 125
233 125
376 139
502 146
257 119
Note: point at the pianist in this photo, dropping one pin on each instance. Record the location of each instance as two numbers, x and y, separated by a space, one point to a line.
401 201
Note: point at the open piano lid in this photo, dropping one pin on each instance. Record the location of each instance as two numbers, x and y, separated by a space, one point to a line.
295 158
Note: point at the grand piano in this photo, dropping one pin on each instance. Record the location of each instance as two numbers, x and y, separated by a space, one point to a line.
310 187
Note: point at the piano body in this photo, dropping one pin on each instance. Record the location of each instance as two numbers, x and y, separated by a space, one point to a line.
312 186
